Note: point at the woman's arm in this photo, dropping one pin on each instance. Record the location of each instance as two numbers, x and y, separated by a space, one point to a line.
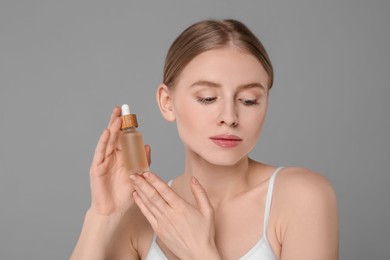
98 237
106 230
310 220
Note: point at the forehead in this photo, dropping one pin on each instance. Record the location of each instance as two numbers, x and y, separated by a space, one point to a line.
226 66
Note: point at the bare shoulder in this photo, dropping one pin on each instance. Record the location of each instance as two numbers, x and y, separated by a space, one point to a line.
302 183
302 190
307 219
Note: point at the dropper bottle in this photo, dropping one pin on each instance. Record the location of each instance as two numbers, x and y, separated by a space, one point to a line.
132 144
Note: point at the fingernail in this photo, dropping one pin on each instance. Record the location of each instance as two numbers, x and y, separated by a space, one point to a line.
146 174
194 180
132 178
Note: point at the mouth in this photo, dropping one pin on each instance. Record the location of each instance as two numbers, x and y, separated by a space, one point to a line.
226 141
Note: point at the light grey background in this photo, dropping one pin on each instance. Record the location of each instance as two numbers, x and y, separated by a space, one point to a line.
65 64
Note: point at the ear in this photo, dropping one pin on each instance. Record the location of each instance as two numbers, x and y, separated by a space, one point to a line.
164 102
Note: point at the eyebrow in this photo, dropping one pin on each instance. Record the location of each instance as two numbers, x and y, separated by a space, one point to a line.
216 85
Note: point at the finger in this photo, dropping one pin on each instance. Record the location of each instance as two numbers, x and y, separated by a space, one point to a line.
201 197
163 189
148 215
100 149
114 136
149 195
116 112
148 151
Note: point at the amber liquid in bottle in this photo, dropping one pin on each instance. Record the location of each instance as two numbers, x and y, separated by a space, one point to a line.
132 144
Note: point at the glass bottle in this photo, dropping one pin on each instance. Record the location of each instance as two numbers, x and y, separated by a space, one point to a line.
132 144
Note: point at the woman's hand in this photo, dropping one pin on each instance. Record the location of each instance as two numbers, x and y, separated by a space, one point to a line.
187 231
111 198
110 185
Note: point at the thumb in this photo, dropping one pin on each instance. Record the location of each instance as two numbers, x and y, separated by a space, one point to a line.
201 197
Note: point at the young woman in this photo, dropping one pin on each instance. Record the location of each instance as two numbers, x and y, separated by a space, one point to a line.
217 79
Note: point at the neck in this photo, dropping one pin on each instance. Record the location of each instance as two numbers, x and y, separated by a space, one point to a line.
220 182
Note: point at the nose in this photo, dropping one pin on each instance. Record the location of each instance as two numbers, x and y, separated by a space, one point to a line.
228 115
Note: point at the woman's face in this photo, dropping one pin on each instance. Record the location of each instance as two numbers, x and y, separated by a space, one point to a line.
219 102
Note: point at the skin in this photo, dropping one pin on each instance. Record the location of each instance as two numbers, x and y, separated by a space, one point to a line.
223 91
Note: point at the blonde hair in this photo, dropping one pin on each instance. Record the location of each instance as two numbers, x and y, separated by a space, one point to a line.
208 35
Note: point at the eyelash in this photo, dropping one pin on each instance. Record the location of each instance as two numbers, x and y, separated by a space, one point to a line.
206 100
209 100
249 102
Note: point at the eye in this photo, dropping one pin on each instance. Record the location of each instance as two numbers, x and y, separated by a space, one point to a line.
249 102
206 100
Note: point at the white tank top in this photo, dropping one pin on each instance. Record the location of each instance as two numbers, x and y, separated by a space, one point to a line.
261 250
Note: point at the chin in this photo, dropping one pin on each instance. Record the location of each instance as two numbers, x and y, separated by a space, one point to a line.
224 159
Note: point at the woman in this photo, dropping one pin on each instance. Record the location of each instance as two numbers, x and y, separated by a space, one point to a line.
217 79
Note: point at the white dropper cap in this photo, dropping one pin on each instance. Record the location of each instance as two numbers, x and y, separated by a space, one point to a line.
125 110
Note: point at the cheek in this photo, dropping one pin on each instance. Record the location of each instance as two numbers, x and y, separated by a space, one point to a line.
252 122
187 117
191 115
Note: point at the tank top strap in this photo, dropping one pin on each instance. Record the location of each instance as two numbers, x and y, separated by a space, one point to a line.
154 238
269 201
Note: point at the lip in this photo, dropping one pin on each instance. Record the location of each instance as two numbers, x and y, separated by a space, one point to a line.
226 141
